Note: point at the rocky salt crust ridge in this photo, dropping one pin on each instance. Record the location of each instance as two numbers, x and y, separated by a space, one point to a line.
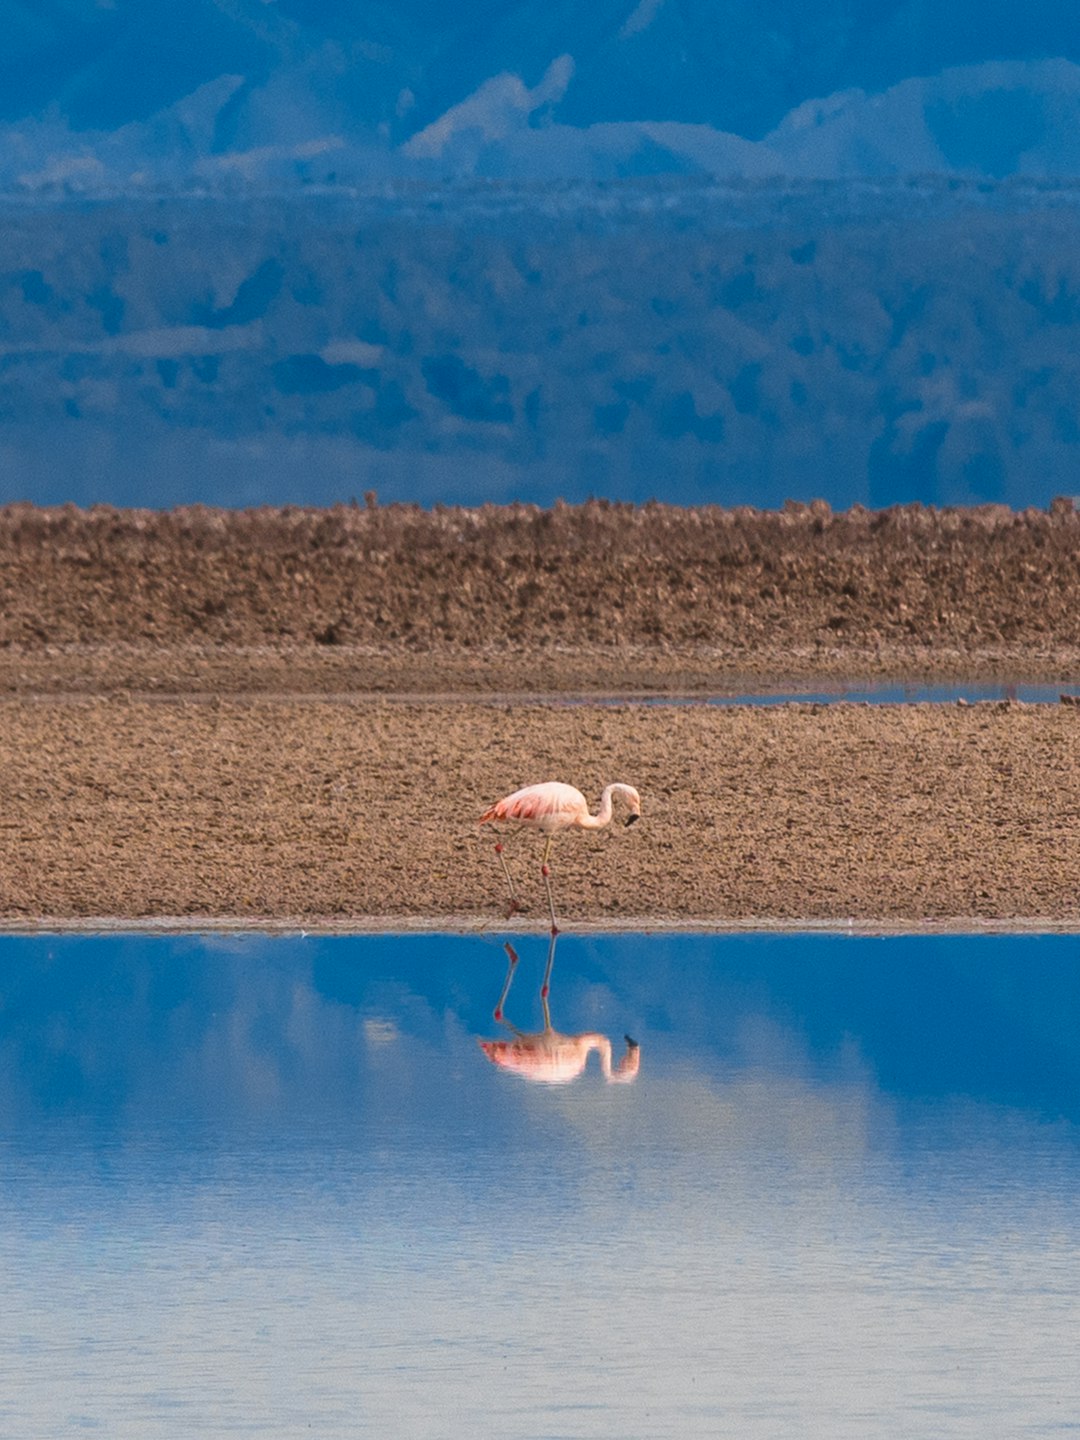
596 596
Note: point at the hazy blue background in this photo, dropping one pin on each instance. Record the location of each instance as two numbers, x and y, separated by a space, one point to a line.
278 250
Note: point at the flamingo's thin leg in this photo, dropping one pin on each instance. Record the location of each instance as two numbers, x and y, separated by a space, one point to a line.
546 873
511 967
545 988
509 881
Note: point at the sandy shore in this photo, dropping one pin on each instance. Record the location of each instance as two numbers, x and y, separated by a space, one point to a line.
338 809
250 717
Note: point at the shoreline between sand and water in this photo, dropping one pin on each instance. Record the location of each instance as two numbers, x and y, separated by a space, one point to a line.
443 926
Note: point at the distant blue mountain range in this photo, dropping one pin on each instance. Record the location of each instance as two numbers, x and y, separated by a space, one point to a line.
693 341
115 95
698 249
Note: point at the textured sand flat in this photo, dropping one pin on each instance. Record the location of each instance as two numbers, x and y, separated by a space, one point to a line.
265 808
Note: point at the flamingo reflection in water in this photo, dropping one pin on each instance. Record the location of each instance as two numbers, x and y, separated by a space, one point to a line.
549 1057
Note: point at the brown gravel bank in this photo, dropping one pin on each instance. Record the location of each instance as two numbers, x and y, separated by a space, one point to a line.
331 808
594 597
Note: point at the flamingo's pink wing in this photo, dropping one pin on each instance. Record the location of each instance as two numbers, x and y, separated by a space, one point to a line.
535 803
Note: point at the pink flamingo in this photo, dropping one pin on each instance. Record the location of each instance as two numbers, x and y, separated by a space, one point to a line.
549 1057
549 808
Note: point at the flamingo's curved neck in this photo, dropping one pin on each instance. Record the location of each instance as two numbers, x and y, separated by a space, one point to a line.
627 1067
603 815
603 1044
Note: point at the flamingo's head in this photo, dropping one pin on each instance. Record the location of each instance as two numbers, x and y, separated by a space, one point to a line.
635 804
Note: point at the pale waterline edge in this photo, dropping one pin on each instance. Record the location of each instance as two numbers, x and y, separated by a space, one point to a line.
464 925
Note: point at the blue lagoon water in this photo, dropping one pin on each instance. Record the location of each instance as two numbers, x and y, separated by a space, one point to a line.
274 1186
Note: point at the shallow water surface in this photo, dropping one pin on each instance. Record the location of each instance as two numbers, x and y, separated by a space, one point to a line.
275 1186
890 693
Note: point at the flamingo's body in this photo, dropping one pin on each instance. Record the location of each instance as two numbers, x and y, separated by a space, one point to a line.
553 806
549 808
548 1057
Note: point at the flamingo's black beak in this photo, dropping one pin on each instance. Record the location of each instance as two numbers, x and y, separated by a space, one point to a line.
631 818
